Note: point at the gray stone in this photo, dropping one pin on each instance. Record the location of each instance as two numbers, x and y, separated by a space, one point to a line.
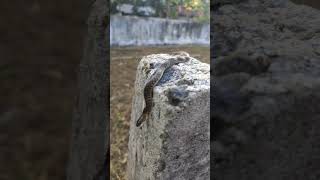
90 145
174 142
265 113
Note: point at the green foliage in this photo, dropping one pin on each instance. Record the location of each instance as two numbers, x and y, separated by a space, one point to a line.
205 9
200 9
202 19
173 14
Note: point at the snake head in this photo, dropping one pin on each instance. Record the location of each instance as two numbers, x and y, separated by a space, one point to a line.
181 53
181 56
146 68
182 59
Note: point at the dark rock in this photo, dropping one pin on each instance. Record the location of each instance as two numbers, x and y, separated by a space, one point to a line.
176 95
265 91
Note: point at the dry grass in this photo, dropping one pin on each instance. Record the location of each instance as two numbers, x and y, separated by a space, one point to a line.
123 65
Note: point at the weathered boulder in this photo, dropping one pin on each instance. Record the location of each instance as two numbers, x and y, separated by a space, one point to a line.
265 108
174 142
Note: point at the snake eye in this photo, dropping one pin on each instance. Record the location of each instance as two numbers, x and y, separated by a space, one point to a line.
151 65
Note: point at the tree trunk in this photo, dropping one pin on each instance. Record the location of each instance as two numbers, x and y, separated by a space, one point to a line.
89 153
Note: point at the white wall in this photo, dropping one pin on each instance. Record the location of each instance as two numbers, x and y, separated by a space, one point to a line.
132 30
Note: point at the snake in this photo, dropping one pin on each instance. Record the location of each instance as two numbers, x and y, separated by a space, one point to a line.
152 81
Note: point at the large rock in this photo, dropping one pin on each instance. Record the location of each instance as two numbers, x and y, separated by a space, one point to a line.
265 108
174 142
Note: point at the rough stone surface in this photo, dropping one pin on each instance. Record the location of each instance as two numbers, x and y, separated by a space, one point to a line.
265 108
89 152
174 142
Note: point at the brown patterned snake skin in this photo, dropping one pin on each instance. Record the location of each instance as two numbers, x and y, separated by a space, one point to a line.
151 82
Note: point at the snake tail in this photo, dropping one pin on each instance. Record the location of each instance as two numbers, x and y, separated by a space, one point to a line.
142 118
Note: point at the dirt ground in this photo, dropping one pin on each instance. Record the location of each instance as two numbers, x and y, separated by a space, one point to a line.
124 62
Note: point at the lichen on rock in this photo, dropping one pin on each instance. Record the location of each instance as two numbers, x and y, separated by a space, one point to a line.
174 142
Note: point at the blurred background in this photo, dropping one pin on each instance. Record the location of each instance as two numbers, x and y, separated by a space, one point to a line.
41 45
312 3
40 49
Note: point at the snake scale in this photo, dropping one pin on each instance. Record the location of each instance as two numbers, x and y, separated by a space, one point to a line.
151 82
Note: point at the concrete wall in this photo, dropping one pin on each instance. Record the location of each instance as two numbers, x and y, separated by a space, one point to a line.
131 30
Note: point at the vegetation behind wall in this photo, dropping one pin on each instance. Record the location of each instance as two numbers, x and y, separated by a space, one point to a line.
195 9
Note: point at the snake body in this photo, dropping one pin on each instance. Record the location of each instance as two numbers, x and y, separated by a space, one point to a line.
178 57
